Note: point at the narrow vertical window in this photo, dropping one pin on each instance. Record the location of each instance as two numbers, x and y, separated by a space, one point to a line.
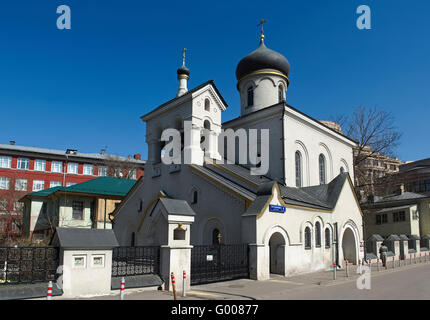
322 169
250 97
195 195
207 105
327 238
298 169
280 93
308 239
318 235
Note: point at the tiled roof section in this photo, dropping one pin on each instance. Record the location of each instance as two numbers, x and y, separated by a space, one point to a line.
45 192
264 194
101 186
393 208
393 237
177 207
239 174
375 237
318 197
211 82
79 238
328 193
297 196
96 156
104 185
401 197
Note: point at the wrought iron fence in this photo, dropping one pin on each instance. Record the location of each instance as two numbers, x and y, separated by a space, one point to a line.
212 263
28 264
132 261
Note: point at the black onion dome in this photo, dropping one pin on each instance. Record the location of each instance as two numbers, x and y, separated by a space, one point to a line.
262 58
183 70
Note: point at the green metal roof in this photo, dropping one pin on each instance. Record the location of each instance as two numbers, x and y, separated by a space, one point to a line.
45 192
102 186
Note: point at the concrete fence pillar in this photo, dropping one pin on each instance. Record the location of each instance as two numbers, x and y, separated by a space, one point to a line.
176 260
259 262
85 261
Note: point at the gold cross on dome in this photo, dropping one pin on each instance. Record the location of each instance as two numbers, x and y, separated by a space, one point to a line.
262 21
183 56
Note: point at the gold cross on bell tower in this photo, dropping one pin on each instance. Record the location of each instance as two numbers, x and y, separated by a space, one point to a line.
262 21
183 56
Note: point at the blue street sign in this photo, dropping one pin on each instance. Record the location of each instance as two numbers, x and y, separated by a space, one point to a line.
275 208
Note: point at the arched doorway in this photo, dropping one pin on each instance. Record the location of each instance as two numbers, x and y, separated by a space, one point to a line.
349 246
277 253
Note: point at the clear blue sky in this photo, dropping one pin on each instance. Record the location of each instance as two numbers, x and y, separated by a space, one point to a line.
86 88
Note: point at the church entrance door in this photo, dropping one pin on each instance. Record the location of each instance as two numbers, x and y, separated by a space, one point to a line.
277 253
349 246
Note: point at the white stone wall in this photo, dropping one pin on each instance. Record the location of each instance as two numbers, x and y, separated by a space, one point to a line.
291 225
210 211
312 139
265 85
89 279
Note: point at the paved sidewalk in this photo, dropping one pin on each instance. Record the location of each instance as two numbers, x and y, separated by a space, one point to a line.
278 287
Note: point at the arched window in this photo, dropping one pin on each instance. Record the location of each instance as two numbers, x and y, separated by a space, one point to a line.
207 105
250 100
216 239
298 169
322 169
317 234
195 195
342 170
327 238
308 238
281 93
133 239
207 125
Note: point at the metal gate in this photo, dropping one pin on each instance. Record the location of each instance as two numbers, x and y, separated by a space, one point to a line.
133 261
28 264
214 263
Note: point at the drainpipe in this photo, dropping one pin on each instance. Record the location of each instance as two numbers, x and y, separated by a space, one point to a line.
64 170
105 215
337 243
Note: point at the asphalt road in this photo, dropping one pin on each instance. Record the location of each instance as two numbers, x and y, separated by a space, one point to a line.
411 282
408 284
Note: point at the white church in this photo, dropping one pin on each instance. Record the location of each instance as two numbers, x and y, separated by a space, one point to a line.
301 216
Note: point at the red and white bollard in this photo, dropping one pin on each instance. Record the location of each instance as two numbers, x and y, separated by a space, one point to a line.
184 283
49 293
370 264
394 262
121 294
346 268
173 286
334 271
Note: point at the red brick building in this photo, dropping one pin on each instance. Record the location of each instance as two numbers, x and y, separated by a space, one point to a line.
28 169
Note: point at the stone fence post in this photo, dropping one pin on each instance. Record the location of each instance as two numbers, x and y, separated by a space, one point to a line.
85 261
